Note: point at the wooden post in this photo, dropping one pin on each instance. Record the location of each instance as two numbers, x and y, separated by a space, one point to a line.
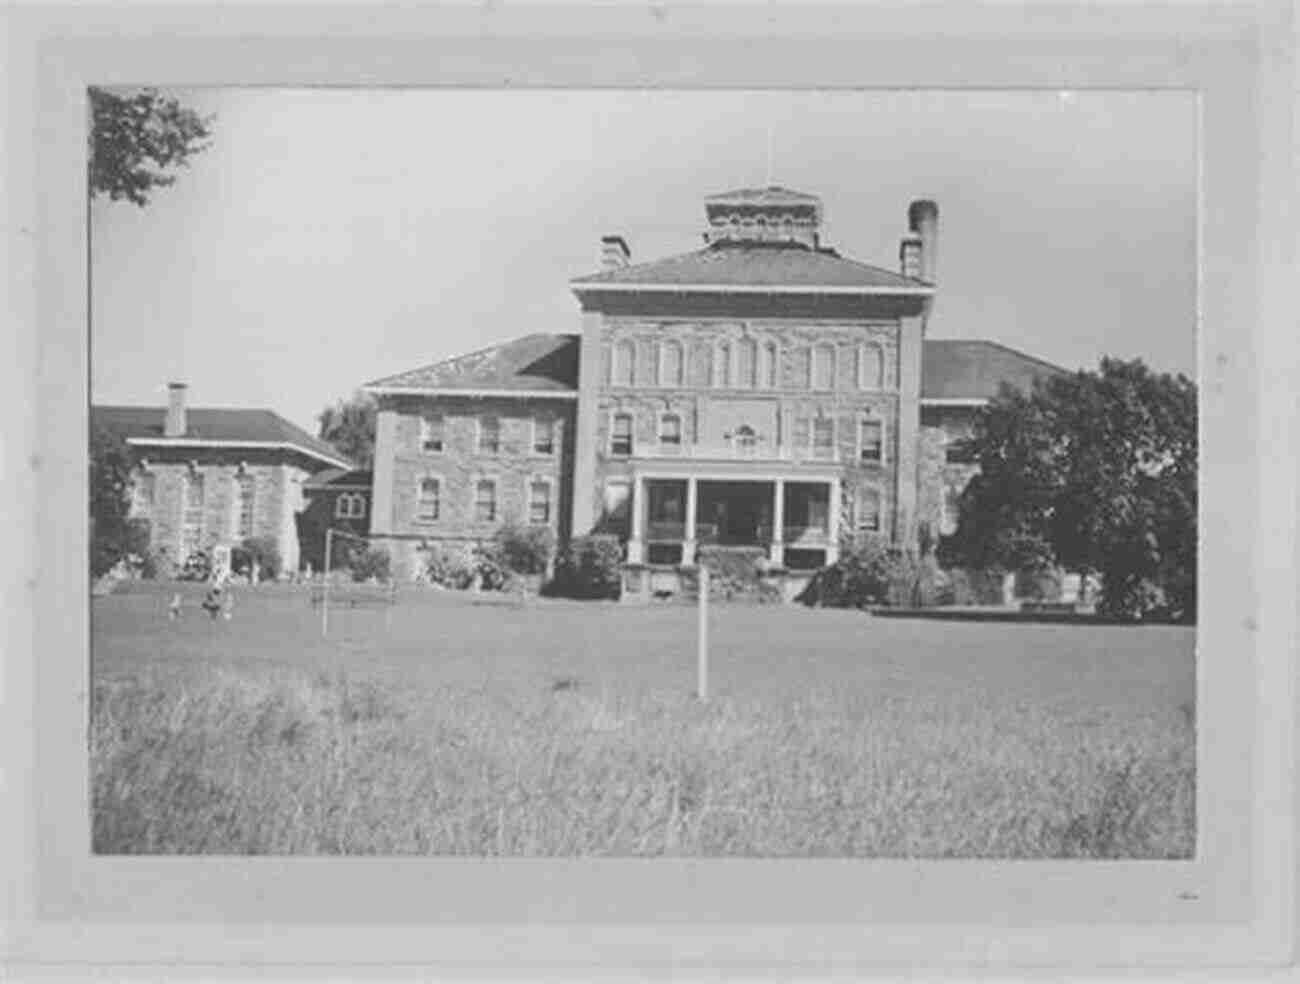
325 590
702 638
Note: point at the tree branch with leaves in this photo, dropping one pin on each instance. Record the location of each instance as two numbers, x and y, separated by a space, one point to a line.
138 139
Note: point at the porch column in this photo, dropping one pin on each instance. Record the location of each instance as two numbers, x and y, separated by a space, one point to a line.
777 555
688 545
833 522
636 545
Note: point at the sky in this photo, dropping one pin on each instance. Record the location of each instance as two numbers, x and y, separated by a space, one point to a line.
327 238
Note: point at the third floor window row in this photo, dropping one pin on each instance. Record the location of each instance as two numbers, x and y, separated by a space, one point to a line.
746 363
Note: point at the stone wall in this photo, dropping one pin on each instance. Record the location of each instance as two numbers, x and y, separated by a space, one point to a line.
275 486
460 465
793 404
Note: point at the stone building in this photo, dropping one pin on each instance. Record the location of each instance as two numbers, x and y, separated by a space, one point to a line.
204 476
763 392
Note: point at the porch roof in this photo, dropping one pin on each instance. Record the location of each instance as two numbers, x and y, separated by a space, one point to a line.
735 470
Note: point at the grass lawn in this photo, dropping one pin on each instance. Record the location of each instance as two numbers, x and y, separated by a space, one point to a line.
564 728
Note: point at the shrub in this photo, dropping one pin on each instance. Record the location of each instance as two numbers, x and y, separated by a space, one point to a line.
371 563
265 553
491 568
525 549
448 566
197 567
876 575
734 572
591 567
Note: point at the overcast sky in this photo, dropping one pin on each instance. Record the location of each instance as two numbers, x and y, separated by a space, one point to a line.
328 238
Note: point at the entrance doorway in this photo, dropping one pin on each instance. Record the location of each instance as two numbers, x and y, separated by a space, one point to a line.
735 513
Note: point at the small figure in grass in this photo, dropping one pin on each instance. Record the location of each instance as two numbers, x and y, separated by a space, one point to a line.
213 601
174 609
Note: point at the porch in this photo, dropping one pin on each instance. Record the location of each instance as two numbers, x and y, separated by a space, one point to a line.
790 518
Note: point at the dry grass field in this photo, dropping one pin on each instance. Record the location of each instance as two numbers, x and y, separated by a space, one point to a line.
560 728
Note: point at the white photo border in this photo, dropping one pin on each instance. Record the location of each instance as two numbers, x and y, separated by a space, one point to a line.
1232 905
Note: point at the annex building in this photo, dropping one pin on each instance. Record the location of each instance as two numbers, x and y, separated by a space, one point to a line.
210 476
762 392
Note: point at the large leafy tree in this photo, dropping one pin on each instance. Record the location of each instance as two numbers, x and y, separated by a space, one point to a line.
349 426
138 139
1094 472
112 535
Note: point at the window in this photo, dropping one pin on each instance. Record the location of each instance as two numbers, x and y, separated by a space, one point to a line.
192 515
869 510
769 371
245 491
620 435
951 512
543 435
539 502
823 367
722 365
143 492
623 361
489 435
823 437
746 440
871 365
485 501
803 367
670 430
671 362
431 433
350 505
870 440
747 359
428 507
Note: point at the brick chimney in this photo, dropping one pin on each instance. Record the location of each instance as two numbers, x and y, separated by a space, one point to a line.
923 220
909 256
175 424
614 252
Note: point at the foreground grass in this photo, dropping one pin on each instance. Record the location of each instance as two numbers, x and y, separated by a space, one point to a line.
246 756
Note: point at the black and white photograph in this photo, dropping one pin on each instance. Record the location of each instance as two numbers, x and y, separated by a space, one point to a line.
643 473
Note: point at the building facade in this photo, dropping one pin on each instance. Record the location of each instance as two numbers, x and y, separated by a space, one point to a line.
763 393
205 477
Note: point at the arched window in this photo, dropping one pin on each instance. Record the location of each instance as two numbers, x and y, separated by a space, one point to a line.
624 364
722 365
671 362
769 366
871 367
823 367
350 505
747 363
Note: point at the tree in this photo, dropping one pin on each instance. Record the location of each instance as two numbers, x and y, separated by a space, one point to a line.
111 536
349 426
136 139
1094 472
